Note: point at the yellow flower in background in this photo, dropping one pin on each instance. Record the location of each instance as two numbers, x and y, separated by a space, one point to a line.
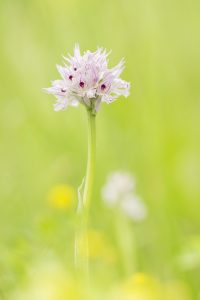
49 281
99 247
142 286
62 196
139 279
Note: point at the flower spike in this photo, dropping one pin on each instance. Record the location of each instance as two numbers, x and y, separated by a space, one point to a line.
86 79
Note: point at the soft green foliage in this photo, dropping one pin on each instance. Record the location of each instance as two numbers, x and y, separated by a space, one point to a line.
153 134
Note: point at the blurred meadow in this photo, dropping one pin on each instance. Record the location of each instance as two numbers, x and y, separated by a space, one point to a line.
153 135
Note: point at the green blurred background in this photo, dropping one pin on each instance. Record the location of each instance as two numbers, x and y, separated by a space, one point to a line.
154 133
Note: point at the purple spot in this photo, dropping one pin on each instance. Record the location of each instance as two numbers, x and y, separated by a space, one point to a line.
103 87
75 69
70 77
63 90
82 84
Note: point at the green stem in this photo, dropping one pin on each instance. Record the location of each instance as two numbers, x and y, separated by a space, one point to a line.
90 161
81 241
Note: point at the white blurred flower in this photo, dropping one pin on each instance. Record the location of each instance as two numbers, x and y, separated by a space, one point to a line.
119 190
134 207
189 256
87 79
118 184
